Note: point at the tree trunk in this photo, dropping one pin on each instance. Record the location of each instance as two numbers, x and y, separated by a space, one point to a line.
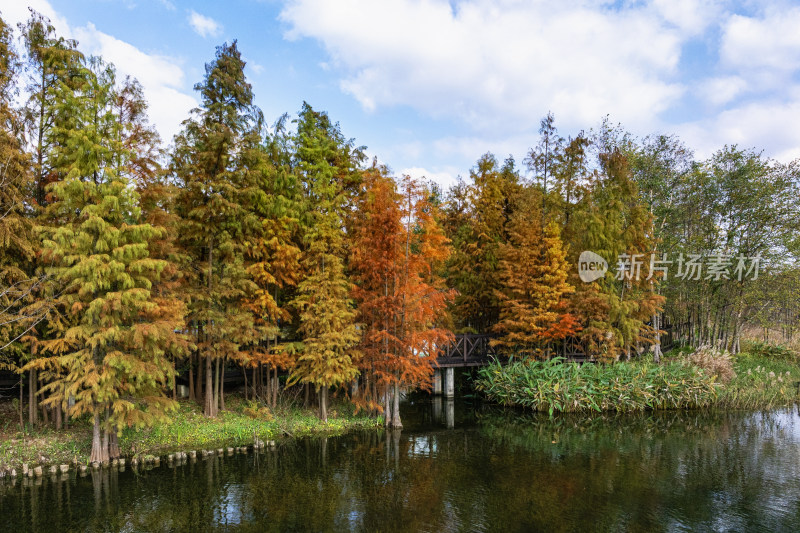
113 444
387 409
268 387
210 404
305 398
222 390
191 378
32 407
244 373
58 417
657 343
21 416
396 423
97 455
198 387
323 404
275 389
216 387
208 410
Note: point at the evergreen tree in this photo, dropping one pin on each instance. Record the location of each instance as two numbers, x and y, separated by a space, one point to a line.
324 163
217 219
533 271
472 268
19 309
55 72
110 353
616 225
541 160
139 163
276 268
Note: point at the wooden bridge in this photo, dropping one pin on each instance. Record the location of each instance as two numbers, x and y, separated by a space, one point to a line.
471 350
466 350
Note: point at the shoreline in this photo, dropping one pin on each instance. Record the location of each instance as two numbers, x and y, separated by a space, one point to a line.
188 433
243 425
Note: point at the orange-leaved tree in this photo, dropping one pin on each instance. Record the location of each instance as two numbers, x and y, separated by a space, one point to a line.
398 252
533 272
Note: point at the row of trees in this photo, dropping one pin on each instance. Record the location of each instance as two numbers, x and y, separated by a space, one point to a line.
708 247
280 250
125 264
516 245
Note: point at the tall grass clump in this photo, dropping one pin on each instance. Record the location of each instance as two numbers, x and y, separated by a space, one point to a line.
555 385
762 382
714 362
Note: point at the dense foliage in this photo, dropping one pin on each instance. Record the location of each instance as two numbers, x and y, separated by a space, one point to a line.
555 386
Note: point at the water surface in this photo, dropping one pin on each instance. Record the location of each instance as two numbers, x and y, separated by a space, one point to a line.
458 467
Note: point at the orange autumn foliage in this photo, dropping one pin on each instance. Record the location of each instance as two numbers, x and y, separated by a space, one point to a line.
533 271
398 248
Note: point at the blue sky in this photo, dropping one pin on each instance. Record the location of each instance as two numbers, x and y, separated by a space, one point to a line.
428 86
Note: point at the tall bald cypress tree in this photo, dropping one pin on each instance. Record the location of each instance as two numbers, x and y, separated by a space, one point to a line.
19 311
214 162
328 355
108 351
54 66
479 216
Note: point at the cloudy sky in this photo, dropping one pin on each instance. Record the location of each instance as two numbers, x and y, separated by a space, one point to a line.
429 85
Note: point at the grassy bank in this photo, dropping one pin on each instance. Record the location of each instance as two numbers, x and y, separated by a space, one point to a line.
188 429
758 378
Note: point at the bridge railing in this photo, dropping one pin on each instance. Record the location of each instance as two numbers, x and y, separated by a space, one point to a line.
470 349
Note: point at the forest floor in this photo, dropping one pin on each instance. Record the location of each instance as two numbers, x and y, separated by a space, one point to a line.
238 425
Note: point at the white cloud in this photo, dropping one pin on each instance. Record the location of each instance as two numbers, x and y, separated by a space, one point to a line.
445 177
499 66
690 16
496 67
721 90
766 124
771 41
204 26
253 66
757 89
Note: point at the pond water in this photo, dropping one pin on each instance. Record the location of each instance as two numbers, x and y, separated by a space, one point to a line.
458 467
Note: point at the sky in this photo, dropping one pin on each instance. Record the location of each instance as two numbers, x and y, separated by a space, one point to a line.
428 86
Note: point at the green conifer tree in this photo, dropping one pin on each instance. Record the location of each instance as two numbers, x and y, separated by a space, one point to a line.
327 355
109 355
218 190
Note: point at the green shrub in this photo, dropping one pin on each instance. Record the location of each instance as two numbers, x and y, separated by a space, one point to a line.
771 351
